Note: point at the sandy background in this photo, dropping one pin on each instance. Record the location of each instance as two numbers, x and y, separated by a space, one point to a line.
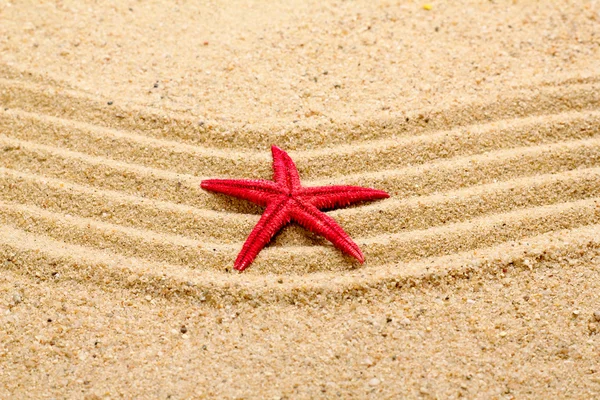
482 272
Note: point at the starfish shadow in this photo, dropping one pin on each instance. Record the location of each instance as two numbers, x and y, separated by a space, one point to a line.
294 235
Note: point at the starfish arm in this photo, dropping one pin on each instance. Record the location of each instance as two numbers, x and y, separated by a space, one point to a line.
327 197
318 222
276 215
284 170
257 191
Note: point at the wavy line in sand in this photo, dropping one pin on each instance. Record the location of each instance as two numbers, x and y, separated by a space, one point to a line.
381 218
33 93
153 183
477 225
48 259
379 155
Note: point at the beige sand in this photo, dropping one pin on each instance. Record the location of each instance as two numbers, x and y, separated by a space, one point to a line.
482 272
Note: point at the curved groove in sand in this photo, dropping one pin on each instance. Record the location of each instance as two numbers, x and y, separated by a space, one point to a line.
114 206
558 205
53 257
37 97
105 173
168 217
493 166
382 155
91 233
475 234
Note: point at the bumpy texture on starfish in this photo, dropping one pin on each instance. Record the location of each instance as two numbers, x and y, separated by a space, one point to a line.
286 200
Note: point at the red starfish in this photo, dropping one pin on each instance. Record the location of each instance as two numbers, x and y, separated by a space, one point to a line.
287 200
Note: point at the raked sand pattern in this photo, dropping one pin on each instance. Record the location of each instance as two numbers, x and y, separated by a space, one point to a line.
114 191
100 201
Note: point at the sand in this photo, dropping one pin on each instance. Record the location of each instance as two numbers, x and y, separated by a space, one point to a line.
482 272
